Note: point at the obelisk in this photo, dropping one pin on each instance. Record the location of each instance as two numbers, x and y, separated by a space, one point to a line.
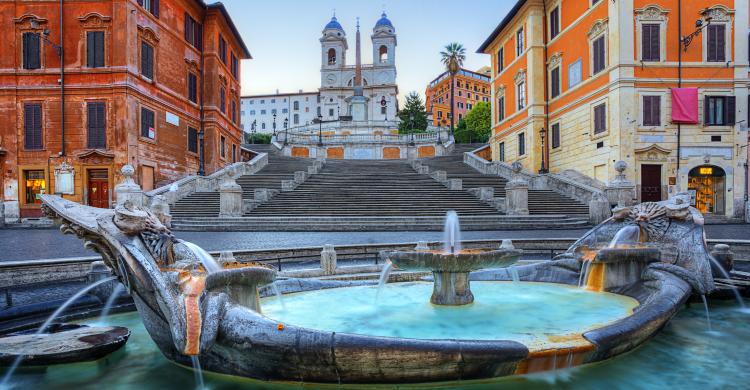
359 103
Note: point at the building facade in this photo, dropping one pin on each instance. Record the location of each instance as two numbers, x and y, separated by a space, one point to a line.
337 79
470 88
259 112
150 83
624 80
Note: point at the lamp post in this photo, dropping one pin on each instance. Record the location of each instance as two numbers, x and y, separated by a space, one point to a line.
320 130
274 124
543 133
252 131
411 128
286 130
202 164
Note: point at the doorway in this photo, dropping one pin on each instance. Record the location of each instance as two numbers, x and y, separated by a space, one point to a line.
98 188
147 178
706 185
650 183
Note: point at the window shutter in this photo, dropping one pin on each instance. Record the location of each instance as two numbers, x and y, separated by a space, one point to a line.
187 27
647 110
90 53
25 55
655 42
729 111
155 6
656 110
28 125
31 58
720 44
140 2
198 31
706 110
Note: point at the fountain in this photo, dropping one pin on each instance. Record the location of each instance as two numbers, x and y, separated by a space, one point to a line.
451 267
330 331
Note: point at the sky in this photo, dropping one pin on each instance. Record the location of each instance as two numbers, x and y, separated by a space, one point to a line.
283 37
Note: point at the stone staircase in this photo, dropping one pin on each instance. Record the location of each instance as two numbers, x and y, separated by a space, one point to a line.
541 202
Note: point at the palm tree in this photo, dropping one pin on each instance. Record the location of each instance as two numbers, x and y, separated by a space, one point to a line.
453 57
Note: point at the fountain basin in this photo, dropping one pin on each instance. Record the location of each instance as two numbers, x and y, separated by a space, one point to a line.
451 270
634 254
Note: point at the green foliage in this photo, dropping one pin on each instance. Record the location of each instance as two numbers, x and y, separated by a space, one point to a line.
453 57
258 138
413 116
476 125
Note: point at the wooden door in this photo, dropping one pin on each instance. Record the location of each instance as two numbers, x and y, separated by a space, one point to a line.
147 178
650 183
98 188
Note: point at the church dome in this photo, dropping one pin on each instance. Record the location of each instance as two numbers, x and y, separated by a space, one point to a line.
334 25
384 21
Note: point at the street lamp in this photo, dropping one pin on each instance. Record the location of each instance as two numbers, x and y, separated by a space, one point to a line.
320 130
202 164
252 131
274 124
411 128
286 131
699 26
543 133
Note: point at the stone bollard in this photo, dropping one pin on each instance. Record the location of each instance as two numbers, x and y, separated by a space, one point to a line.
440 176
599 209
300 177
517 193
226 257
415 165
160 208
230 199
486 194
312 170
724 259
261 195
128 189
328 259
455 184
288 185
422 246
507 244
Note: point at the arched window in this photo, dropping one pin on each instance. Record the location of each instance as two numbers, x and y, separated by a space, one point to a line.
332 56
383 54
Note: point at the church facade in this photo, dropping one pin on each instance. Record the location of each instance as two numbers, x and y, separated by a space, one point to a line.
338 82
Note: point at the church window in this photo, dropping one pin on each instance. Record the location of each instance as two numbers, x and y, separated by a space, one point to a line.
331 56
383 54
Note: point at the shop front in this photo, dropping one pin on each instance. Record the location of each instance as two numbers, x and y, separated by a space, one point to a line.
707 187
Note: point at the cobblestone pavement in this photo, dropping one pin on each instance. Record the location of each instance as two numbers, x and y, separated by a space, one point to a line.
32 244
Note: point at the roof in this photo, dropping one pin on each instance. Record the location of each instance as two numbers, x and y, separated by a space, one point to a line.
333 24
500 27
220 7
461 72
384 21
271 95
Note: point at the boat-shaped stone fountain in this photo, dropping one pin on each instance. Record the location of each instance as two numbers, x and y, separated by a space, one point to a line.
631 286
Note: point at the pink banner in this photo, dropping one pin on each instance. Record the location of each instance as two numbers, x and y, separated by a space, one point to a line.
685 105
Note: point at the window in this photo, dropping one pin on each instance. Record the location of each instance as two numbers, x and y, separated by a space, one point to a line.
34 184
234 153
296 119
521 144
383 110
193 32
318 112
719 110
148 128
192 136
440 114
252 112
500 60
383 54
284 110
273 101
273 111
235 66
222 147
575 73
651 43
555 136
234 112
31 51
555 81
501 108
599 54
262 112
716 48
554 22
295 106
95 49
501 152
331 56
600 118
193 87
521 94
519 42
151 6
330 112
147 60
263 125
652 111
97 126
222 49
32 126
223 100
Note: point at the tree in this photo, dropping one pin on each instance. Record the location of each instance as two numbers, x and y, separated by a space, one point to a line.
413 116
453 58
257 138
476 125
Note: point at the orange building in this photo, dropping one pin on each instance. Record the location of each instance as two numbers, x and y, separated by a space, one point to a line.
599 77
471 87
150 83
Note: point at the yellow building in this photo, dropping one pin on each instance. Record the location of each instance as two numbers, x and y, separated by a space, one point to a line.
599 77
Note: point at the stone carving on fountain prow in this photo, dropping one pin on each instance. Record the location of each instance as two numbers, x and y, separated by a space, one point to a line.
180 302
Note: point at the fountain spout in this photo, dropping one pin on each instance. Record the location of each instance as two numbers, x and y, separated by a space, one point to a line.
452 233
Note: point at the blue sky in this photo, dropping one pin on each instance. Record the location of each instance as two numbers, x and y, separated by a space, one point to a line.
282 36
